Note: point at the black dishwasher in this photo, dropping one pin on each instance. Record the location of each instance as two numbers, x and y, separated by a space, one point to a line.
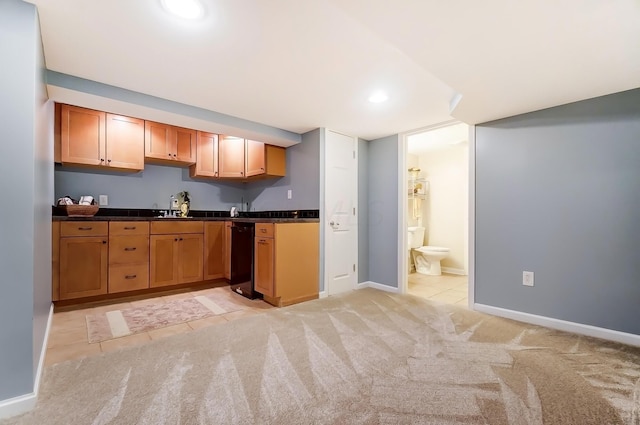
242 259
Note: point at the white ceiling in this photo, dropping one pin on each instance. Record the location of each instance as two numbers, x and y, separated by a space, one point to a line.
298 65
445 137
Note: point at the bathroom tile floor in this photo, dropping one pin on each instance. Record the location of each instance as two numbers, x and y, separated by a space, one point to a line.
68 337
446 289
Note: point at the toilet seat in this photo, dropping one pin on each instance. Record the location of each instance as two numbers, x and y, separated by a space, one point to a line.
425 249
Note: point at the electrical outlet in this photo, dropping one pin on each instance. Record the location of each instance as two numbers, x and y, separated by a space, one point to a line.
289 194
104 200
527 278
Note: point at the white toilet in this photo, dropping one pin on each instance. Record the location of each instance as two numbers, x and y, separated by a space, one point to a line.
426 258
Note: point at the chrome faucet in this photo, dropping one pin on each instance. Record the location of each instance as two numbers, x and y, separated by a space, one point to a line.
171 205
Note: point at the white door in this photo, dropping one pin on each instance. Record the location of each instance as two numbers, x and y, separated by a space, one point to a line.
341 226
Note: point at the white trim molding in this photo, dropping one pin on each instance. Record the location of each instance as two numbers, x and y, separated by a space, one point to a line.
452 270
323 294
376 285
23 403
561 325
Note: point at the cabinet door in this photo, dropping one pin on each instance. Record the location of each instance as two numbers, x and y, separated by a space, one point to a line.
82 136
190 265
184 140
83 267
125 142
231 159
207 156
263 266
214 250
255 161
55 260
163 267
157 143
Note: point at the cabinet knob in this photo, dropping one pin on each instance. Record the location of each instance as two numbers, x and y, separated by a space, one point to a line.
180 238
176 239
169 154
101 159
104 242
262 168
108 160
175 155
242 173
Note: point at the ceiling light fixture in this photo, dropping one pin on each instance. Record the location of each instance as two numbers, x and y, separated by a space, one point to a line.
186 9
378 97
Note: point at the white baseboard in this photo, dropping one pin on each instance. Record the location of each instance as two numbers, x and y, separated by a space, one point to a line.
323 294
376 285
562 325
451 270
23 403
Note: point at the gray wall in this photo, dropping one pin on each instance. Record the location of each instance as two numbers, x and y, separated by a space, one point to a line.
150 188
363 210
21 329
557 194
383 210
303 179
43 197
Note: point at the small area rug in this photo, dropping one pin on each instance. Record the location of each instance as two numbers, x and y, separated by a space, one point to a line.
118 323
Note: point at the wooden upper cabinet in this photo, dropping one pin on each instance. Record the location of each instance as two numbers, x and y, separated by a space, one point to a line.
206 156
95 138
125 138
82 136
255 158
185 142
168 144
157 141
231 160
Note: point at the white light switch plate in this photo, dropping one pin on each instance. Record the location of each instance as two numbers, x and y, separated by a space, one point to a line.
104 200
527 278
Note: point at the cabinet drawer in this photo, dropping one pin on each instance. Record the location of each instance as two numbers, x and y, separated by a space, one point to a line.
126 228
128 249
169 227
264 230
84 228
124 278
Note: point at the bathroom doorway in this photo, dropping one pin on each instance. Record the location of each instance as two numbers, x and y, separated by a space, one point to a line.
436 213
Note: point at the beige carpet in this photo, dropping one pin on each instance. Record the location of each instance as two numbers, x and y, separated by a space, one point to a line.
118 323
366 357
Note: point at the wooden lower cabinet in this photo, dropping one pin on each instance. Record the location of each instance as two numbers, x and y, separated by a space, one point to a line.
263 266
128 256
292 274
176 259
214 249
83 266
55 261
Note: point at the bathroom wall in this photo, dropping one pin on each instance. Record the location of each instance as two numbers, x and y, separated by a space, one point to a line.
445 211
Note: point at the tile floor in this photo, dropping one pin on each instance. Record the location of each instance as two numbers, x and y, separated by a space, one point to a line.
68 334
446 289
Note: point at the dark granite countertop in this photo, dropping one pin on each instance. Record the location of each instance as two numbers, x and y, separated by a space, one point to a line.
239 219
123 214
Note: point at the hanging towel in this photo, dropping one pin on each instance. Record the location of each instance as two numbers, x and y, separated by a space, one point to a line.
417 208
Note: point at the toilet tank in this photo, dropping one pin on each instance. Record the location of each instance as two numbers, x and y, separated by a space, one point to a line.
415 237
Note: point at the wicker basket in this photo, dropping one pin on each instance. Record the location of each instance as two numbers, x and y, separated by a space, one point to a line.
79 210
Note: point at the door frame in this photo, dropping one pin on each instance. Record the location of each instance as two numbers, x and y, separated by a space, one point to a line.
403 252
324 217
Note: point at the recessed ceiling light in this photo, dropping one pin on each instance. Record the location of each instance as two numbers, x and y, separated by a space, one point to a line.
187 9
378 97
